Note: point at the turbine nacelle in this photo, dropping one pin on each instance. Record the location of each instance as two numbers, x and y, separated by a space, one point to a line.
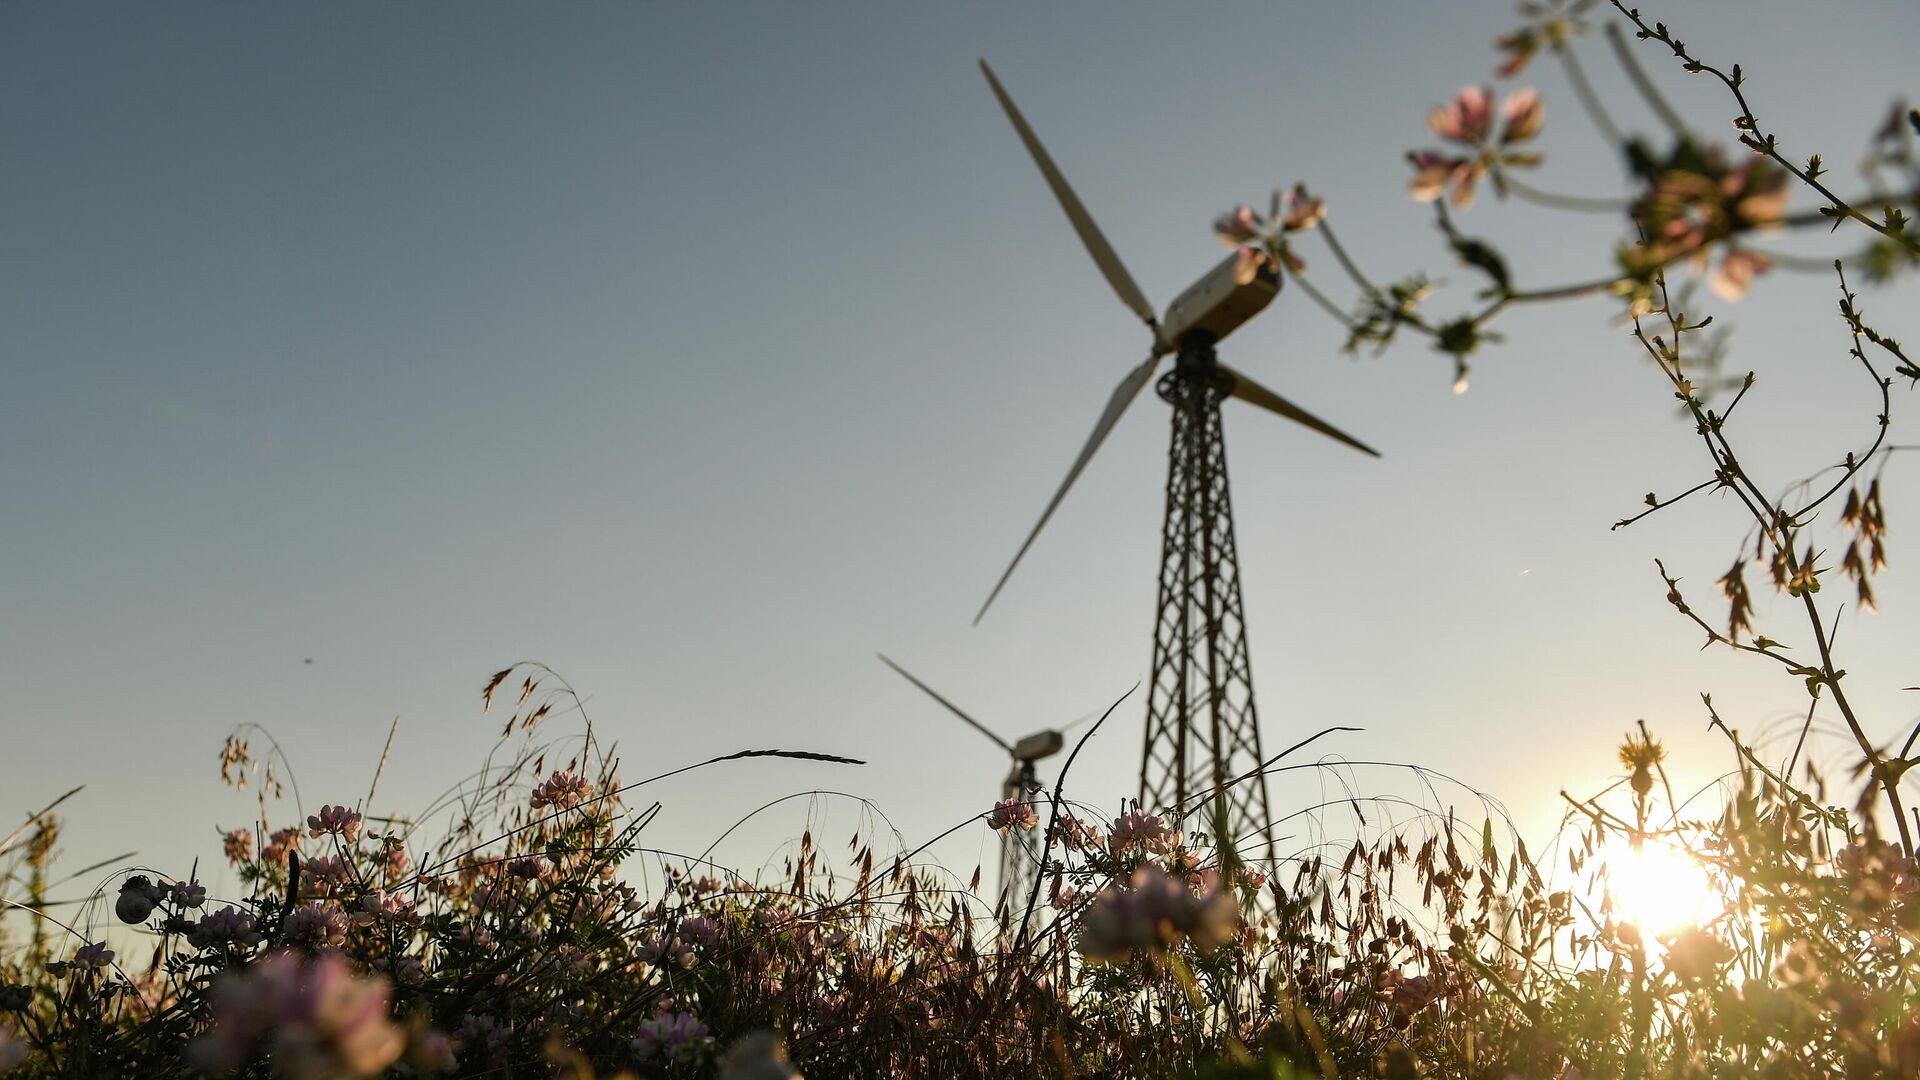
1218 303
1038 745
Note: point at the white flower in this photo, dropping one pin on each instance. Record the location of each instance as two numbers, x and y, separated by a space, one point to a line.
759 1056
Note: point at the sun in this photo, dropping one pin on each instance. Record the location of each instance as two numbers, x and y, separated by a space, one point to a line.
1658 887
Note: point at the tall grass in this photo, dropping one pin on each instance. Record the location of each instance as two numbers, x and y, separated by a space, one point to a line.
521 924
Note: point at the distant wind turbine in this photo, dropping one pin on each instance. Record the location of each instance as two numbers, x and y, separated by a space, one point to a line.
1019 855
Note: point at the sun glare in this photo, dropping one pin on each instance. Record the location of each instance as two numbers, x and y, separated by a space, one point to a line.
1658 887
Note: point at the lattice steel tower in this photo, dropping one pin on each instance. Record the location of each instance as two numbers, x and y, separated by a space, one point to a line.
1202 729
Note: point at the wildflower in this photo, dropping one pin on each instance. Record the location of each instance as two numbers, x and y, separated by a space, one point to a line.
335 821
706 884
700 930
1076 835
1183 863
1876 875
1554 25
1470 120
1642 755
1434 171
1248 262
322 871
228 926
1136 828
1695 955
562 790
1012 814
485 1035
1409 994
1304 211
313 926
1156 912
279 845
312 1020
574 957
528 868
1260 243
667 951
1238 226
1693 200
409 971
381 904
494 895
188 894
137 898
433 1052
759 1056
1737 269
238 845
95 955
669 1035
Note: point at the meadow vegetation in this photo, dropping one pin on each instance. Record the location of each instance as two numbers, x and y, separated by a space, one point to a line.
524 940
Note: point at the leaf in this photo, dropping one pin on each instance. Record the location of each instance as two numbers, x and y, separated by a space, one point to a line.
1480 256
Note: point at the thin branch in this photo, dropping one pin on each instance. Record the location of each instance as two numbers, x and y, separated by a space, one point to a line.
1346 262
1590 101
1752 136
1326 303
1654 504
1586 204
1654 99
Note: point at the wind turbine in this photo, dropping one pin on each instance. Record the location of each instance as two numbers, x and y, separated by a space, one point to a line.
1019 856
1202 729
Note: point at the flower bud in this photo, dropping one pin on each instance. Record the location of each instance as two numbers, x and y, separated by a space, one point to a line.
1642 780
137 897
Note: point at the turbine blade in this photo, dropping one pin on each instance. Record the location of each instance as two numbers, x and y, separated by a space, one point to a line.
1097 246
1253 393
951 707
1123 396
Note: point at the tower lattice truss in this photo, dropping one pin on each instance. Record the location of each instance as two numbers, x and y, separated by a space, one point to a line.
1019 852
1202 730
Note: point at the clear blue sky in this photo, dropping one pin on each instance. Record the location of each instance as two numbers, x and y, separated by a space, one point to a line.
701 350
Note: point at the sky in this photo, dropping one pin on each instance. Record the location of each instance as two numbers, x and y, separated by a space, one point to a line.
352 352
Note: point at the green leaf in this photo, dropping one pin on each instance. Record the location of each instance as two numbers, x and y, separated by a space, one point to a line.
1477 254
